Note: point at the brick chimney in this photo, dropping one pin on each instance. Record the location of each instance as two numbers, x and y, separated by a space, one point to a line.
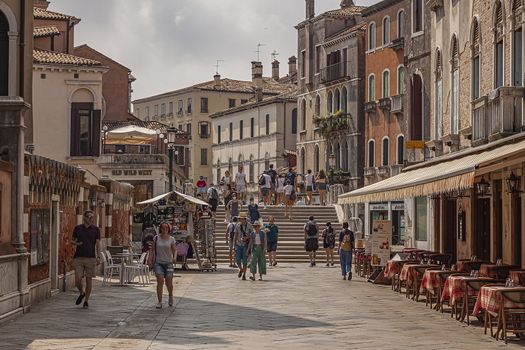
217 80
310 9
257 79
43 4
347 3
292 65
275 70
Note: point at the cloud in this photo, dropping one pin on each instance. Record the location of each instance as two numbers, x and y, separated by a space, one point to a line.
171 44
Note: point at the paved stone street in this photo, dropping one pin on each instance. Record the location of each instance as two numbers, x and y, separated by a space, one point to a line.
295 308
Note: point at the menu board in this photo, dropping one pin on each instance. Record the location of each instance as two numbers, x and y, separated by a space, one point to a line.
380 242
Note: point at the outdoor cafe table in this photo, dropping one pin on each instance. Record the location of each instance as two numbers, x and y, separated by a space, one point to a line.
495 271
431 281
409 272
518 276
469 265
125 257
490 299
394 267
455 288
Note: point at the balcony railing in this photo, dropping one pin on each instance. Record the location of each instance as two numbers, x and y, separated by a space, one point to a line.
133 159
370 107
398 43
384 103
397 104
335 72
369 171
383 171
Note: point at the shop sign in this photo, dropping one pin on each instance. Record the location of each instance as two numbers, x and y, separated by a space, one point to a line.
378 206
131 172
411 144
380 242
398 206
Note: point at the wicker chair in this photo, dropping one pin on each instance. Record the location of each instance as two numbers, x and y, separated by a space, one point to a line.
513 318
471 295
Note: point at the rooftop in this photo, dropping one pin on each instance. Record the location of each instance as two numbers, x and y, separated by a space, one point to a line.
40 13
49 57
40 32
341 13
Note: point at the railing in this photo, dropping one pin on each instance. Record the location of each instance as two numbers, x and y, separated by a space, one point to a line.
369 171
334 72
397 104
384 103
396 169
334 191
398 43
370 107
133 159
383 171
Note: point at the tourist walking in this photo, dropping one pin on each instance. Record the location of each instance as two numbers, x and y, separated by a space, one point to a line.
234 206
243 232
309 183
86 238
240 184
329 243
265 184
321 186
281 182
253 211
228 195
257 246
346 246
289 196
272 236
201 186
311 239
230 233
163 258
273 189
226 181
213 198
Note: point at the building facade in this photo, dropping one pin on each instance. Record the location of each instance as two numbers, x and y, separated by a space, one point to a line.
189 109
330 100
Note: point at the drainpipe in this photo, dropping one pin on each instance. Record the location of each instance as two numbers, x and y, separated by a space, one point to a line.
21 59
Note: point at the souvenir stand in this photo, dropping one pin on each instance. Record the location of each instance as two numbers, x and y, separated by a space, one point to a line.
191 225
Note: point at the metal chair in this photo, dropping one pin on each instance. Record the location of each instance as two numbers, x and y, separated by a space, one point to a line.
109 268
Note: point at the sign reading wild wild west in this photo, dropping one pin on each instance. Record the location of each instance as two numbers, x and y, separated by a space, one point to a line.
131 172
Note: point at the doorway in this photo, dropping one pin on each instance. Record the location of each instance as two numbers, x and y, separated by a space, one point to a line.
516 229
498 222
55 232
482 236
451 228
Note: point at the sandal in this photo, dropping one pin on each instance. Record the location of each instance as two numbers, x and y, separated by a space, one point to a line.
170 301
158 306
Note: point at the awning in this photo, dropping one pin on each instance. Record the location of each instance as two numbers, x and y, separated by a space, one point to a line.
444 174
165 195
131 135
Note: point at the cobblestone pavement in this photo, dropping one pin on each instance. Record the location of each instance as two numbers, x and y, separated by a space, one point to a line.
297 307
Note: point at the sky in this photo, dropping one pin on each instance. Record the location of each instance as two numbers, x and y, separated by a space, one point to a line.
171 44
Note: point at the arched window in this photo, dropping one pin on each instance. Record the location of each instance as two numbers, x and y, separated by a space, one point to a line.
337 100
303 114
400 150
294 121
318 106
330 102
385 154
219 177
240 160
345 156
401 83
371 153
438 100
401 24
517 60
344 100
371 88
338 156
454 118
371 36
4 55
386 84
386 31
316 159
252 170
498 44
476 67
303 161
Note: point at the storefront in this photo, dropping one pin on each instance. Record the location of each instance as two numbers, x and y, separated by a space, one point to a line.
391 211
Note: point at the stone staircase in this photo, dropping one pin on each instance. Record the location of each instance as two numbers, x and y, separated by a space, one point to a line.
291 234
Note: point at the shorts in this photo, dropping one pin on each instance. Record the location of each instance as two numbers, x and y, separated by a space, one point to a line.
241 255
213 204
165 270
311 245
322 186
265 191
201 190
85 267
240 188
230 244
327 245
309 188
272 246
280 189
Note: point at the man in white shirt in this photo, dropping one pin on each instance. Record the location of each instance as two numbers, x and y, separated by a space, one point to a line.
309 179
265 182
240 184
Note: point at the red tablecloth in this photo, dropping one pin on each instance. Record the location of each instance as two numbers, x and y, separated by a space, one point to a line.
495 271
392 268
455 288
468 265
490 299
430 281
409 272
518 277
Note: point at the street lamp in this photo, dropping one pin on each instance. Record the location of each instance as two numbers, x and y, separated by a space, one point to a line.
482 187
172 133
513 183
104 136
331 165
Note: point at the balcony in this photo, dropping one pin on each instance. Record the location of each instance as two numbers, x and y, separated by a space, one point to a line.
397 104
338 122
434 5
370 107
398 44
497 115
383 171
370 171
335 72
384 103
396 169
133 159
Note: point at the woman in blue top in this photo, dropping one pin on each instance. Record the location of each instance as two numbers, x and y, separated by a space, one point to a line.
257 244
253 211
272 234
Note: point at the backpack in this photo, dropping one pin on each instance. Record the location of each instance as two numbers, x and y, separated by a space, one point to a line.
214 194
262 181
311 229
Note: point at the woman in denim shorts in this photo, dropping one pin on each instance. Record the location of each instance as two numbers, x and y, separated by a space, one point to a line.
164 256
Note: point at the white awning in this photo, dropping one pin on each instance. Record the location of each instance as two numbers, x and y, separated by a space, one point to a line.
165 195
444 174
133 129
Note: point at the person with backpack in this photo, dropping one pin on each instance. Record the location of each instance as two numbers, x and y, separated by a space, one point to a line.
345 250
243 232
273 176
289 197
253 211
329 243
265 184
309 183
213 198
311 239
272 236
230 233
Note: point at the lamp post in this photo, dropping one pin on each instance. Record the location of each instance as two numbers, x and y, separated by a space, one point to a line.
513 183
172 132
331 165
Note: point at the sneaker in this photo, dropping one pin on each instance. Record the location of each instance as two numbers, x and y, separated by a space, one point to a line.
311 264
235 265
244 277
170 301
85 305
252 278
349 276
231 265
240 274
332 264
80 298
158 306
260 278
344 277
275 264
327 264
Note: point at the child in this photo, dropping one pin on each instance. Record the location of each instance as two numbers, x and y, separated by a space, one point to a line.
253 211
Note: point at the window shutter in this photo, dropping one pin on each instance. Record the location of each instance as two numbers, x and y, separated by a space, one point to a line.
95 134
75 133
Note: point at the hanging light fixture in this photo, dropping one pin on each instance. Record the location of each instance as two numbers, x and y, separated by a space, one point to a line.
482 187
513 183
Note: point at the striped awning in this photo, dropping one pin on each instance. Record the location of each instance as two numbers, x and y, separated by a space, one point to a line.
441 175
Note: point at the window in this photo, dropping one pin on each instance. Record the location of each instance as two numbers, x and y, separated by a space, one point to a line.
204 130
163 109
316 159
421 218
145 149
303 64
267 125
231 132
120 148
231 102
155 110
303 114
252 127
251 176
85 130
188 105
498 46
244 101
401 84
417 14
4 55
416 110
517 70
179 155
400 150
204 105
204 156
386 84
386 31
401 24
180 127
39 236
318 59
371 153
170 108
317 106
454 122
344 100
303 161
371 88
475 60
330 102
386 152
294 121
147 112
180 108
241 129
371 36
218 134
438 108
337 100
218 172
188 129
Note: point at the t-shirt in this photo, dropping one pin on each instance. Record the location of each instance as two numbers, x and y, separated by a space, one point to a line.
288 189
234 207
309 179
253 212
291 177
88 236
273 174
267 181
164 252
346 239
273 233
201 183
240 178
212 193
242 232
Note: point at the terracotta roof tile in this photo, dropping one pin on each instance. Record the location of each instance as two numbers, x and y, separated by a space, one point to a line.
40 32
49 57
346 11
40 13
270 86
